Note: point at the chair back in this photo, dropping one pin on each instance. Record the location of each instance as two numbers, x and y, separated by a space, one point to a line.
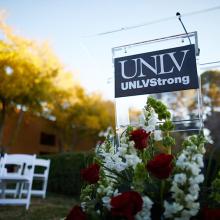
43 163
18 164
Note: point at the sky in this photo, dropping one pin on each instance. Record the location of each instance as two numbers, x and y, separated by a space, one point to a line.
75 30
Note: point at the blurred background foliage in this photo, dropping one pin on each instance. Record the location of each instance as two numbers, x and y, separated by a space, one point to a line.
34 80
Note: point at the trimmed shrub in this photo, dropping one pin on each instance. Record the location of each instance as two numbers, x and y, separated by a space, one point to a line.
64 176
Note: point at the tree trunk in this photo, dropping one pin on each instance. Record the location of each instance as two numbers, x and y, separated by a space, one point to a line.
2 123
60 143
14 133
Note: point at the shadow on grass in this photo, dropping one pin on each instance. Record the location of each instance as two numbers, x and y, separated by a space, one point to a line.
54 207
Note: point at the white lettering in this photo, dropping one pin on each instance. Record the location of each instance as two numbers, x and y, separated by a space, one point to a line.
162 71
179 67
123 69
123 87
153 82
170 81
138 85
143 62
145 82
132 85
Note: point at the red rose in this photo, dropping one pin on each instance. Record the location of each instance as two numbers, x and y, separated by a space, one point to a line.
91 173
127 204
140 138
161 166
76 214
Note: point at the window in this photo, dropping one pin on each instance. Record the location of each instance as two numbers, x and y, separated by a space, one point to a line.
47 139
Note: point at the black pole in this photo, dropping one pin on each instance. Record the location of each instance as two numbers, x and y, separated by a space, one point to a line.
179 17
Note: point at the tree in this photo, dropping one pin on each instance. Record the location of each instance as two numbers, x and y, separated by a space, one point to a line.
33 80
81 115
28 72
210 81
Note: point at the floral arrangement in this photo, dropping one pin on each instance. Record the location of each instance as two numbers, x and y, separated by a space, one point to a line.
141 177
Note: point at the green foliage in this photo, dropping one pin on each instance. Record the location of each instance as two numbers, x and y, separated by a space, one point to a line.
215 195
168 141
167 126
159 108
64 176
198 140
165 119
139 177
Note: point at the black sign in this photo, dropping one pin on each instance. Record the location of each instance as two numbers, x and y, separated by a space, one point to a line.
155 72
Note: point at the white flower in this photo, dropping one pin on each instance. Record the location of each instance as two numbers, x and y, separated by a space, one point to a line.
171 208
189 199
158 135
198 158
83 206
116 193
131 144
124 145
181 160
142 120
197 179
132 160
122 150
180 178
145 213
194 189
152 121
186 214
207 135
106 202
149 128
123 139
147 202
194 168
185 188
177 191
120 166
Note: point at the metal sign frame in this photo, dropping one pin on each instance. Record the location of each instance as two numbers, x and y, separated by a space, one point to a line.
123 50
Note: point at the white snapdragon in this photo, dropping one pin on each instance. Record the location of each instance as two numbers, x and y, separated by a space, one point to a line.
197 179
152 119
208 136
114 162
132 149
106 202
145 213
123 149
83 206
198 158
189 162
194 168
132 160
171 209
180 178
158 135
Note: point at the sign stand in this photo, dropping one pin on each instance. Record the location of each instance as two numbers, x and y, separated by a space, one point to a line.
184 102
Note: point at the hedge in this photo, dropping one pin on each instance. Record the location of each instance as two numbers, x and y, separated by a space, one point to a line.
64 175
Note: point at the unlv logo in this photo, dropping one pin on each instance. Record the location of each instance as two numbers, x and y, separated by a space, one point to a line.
160 71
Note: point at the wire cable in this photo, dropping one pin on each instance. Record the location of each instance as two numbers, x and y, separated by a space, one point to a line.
154 22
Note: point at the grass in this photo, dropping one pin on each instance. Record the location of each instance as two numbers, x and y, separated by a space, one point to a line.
54 207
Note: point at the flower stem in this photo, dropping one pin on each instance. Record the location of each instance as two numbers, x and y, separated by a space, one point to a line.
162 186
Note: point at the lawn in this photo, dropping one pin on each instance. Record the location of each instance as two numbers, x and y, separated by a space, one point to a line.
54 207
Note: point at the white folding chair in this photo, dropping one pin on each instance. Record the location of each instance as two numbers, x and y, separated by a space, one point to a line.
22 173
41 177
